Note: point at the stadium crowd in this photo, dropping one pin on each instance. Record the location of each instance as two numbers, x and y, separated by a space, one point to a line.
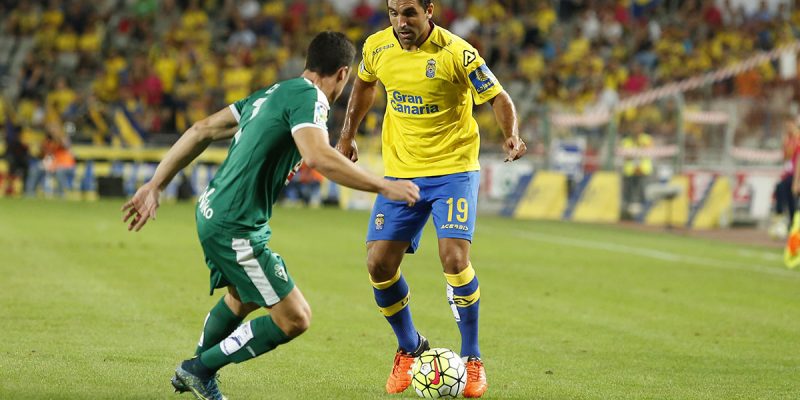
82 64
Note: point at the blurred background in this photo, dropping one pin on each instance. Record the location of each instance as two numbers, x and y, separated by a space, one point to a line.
670 113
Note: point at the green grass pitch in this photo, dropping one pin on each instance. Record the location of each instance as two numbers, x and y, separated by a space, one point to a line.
568 311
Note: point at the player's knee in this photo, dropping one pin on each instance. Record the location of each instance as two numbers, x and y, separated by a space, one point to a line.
380 269
454 262
298 322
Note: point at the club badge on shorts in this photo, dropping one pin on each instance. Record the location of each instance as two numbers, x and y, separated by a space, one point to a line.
379 222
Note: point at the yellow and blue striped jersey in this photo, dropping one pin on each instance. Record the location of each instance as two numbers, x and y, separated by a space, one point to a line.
428 128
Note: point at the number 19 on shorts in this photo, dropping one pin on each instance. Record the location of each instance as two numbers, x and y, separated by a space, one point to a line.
461 209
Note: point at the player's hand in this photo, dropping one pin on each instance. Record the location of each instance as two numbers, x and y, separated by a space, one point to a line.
514 148
141 207
401 190
348 148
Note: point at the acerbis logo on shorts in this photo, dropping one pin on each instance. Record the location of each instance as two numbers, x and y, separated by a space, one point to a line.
455 226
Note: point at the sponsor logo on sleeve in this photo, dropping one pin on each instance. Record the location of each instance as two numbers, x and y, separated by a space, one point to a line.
482 79
321 114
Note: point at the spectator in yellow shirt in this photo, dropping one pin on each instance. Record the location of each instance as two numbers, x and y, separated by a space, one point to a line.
236 80
62 96
91 41
53 15
67 40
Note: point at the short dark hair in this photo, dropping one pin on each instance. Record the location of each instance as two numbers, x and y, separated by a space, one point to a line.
425 3
328 52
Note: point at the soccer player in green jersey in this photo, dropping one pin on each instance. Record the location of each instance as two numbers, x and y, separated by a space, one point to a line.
273 131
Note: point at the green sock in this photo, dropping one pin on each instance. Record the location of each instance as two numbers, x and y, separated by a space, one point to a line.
220 322
249 340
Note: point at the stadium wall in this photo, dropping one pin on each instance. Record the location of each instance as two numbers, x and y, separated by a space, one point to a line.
705 199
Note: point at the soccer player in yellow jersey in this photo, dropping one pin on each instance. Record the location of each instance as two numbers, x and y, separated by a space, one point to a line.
432 79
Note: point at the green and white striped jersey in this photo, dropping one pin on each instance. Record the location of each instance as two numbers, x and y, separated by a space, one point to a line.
262 157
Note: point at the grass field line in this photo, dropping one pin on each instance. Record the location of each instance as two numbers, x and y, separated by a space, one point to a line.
762 255
650 253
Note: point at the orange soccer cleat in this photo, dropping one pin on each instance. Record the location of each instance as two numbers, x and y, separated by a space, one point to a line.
400 378
476 378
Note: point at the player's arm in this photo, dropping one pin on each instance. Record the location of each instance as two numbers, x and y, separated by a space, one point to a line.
142 206
219 126
506 115
318 154
361 99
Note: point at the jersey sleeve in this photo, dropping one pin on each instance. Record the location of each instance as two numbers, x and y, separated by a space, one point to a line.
237 107
310 109
366 70
471 68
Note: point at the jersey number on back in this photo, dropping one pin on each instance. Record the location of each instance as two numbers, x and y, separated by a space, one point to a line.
257 104
256 108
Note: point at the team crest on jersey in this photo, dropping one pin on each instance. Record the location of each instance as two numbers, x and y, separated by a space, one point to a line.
482 79
430 70
321 114
379 220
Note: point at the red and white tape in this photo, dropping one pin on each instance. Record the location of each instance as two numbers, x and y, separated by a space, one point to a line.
756 155
650 152
706 117
568 120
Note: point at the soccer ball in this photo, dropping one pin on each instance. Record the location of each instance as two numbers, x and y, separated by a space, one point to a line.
439 373
778 230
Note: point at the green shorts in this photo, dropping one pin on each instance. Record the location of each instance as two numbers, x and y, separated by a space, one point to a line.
259 274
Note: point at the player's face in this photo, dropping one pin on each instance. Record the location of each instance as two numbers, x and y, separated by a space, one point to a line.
409 20
343 77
